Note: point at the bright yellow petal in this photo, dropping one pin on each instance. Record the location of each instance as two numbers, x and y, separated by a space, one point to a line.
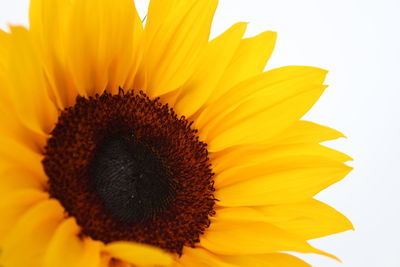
271 84
254 161
308 219
12 128
10 155
91 255
261 107
202 258
28 240
138 254
212 65
306 132
16 178
101 44
122 43
4 48
282 187
66 249
3 40
300 132
199 257
175 35
13 205
86 45
249 60
242 214
244 238
267 260
48 25
26 85
255 121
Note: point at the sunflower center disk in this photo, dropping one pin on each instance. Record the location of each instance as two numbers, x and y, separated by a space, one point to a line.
127 168
131 180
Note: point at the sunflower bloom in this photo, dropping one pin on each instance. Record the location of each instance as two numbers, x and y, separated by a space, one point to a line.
132 145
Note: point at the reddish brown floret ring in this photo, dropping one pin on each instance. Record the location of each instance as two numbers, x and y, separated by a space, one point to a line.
128 168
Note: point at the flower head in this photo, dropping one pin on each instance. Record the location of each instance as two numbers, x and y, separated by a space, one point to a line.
126 144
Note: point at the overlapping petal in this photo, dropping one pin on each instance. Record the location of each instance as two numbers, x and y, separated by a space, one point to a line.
249 60
306 132
261 107
266 260
10 153
24 84
244 238
67 249
175 35
88 46
13 179
308 219
28 240
138 253
288 186
201 257
255 161
14 204
214 61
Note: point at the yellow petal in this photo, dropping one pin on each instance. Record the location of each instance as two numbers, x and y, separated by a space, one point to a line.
175 35
66 249
138 254
255 121
26 84
308 219
48 27
306 132
26 244
12 128
260 107
10 155
270 85
253 161
213 64
242 214
101 44
199 257
4 38
15 178
91 256
300 132
14 204
283 186
266 260
249 60
244 238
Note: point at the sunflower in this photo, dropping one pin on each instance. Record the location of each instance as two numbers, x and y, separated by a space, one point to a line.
132 145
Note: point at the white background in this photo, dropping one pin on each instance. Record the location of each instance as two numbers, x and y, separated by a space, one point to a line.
358 41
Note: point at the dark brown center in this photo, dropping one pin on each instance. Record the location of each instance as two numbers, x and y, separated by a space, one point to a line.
130 178
127 168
